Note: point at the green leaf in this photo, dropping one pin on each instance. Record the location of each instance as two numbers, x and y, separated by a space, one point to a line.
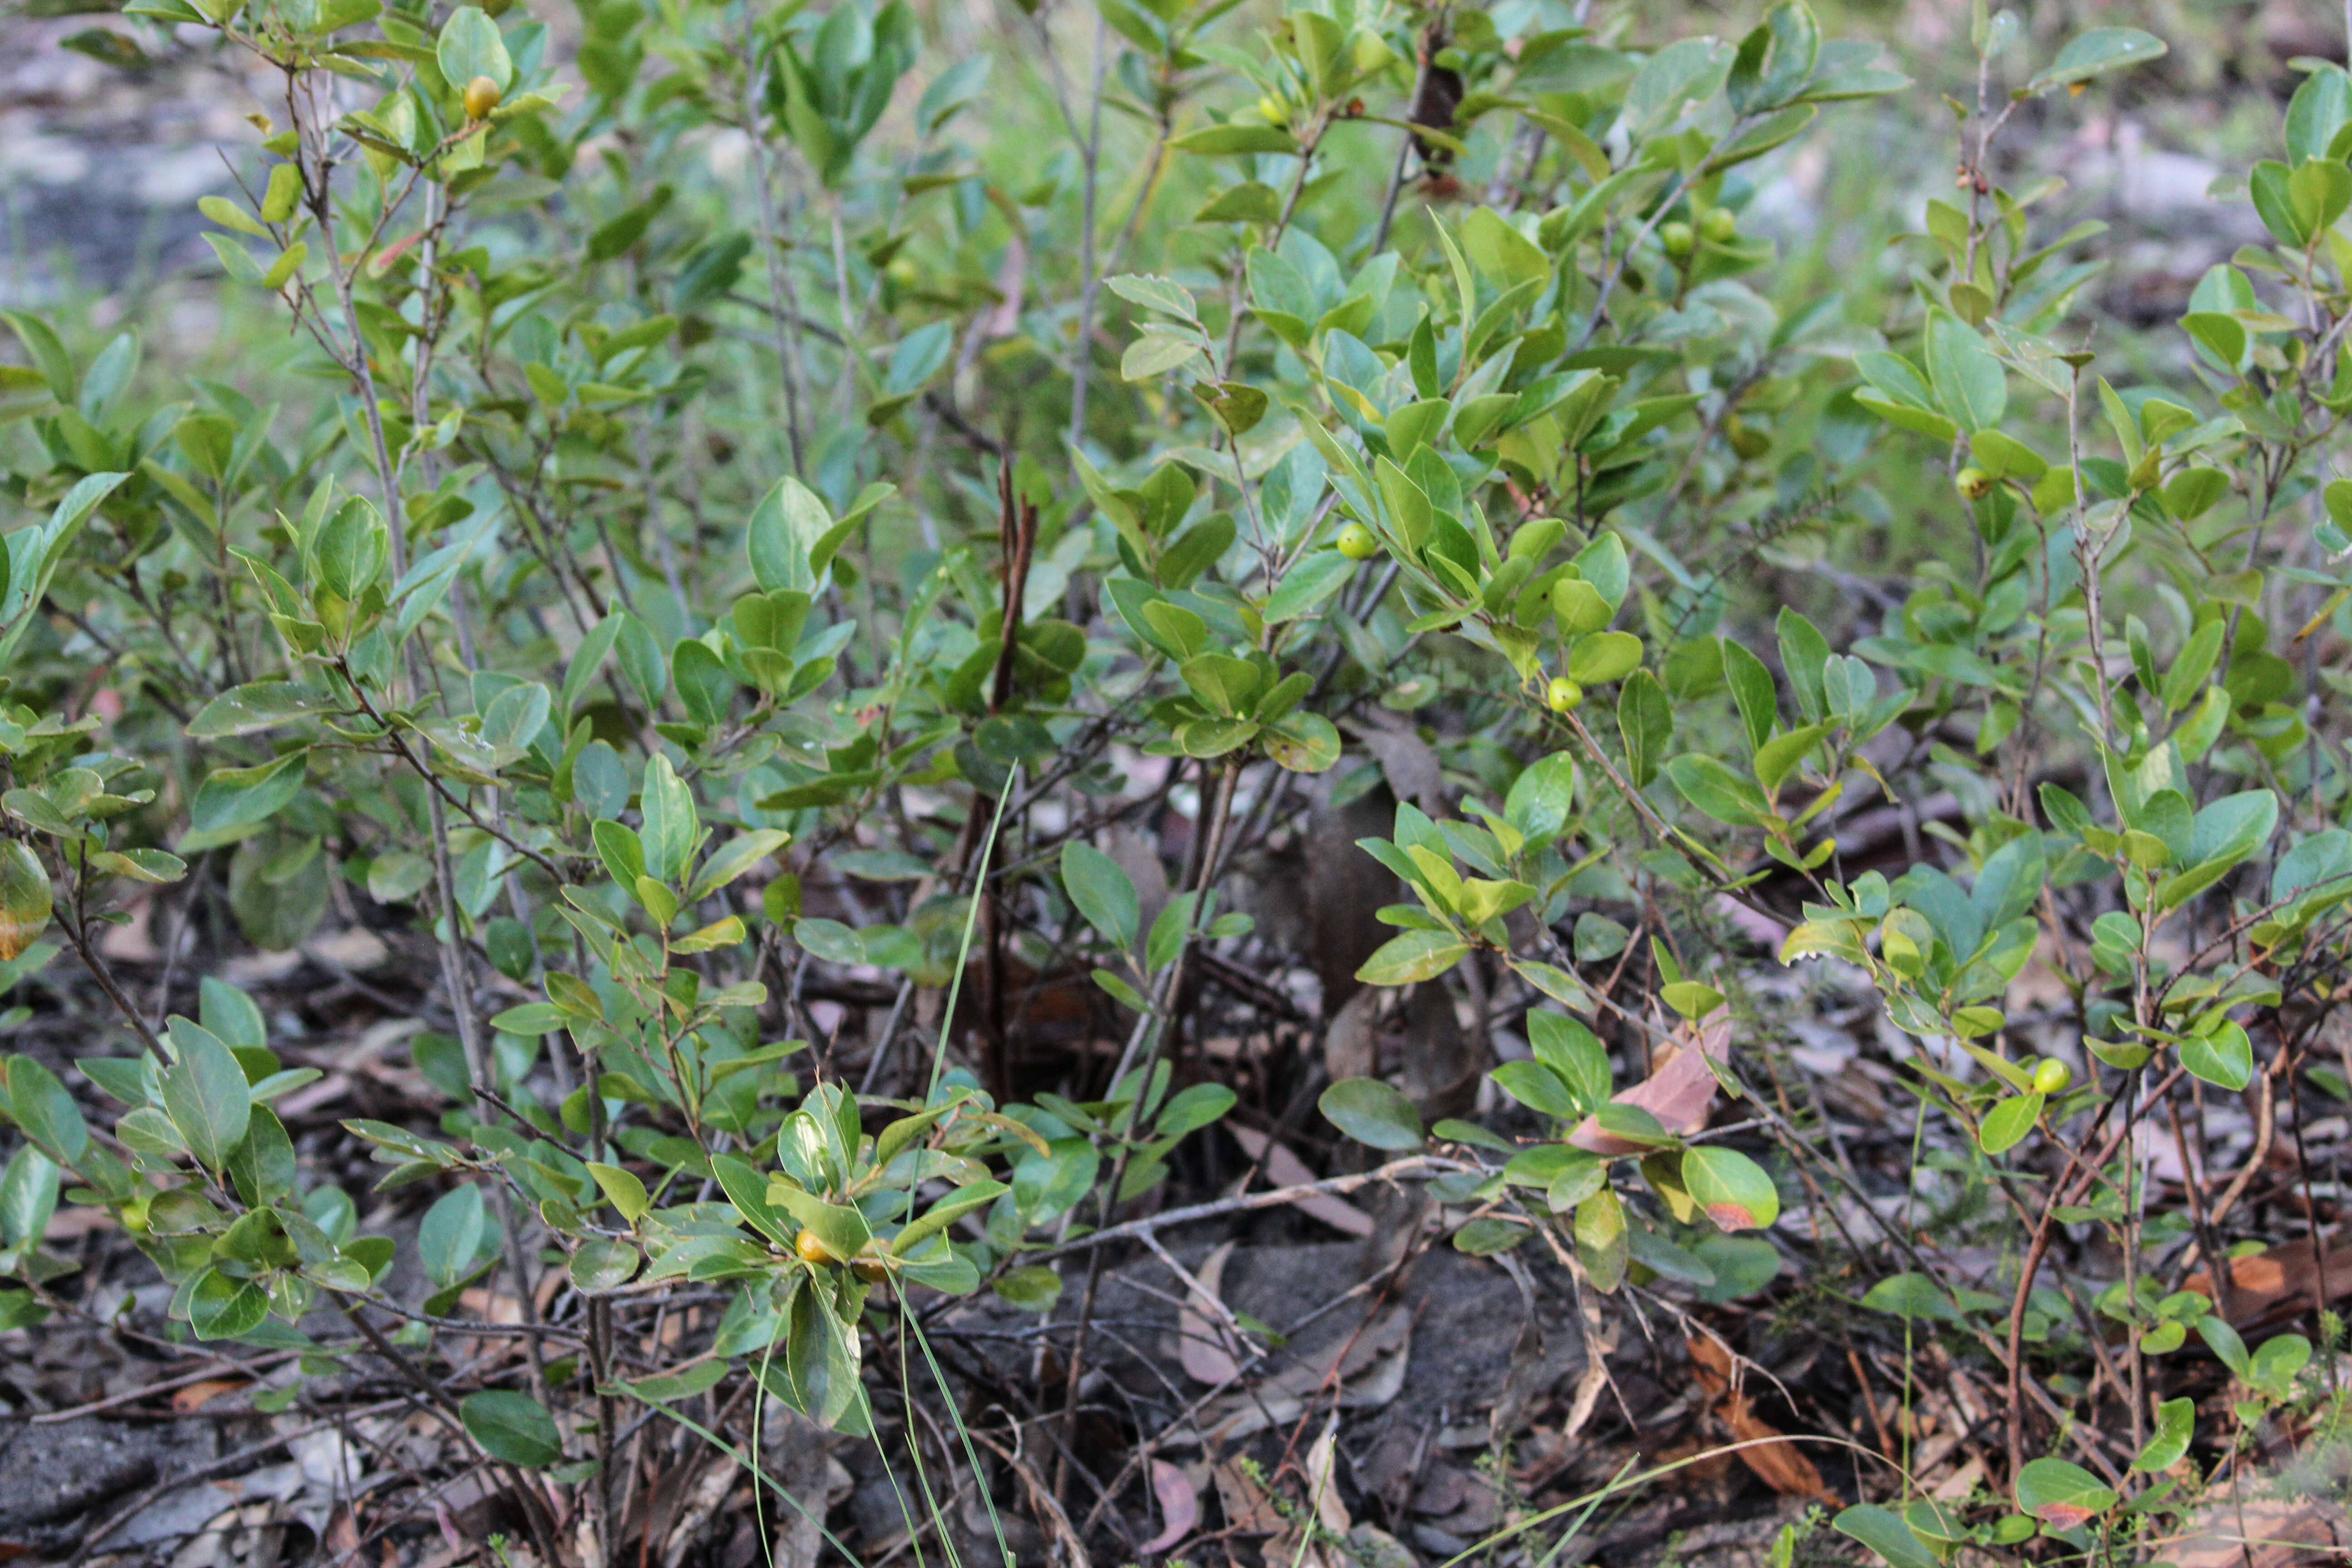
204 1094
1970 383
739 856
1732 1188
1156 353
21 1309
2095 53
532 1020
223 1307
449 1238
1883 1531
261 705
45 1110
1600 1242
2195 661
1573 1053
786 530
672 827
1194 1108
1415 956
1537 1088
2176 1423
28 1196
945 1213
1909 1296
2006 1125
603 1265
232 799
1306 585
2224 1057
1035 1288
50 354
1716 790
1542 798
700 1378
2320 190
1302 744
1778 757
25 902
842 1228
2224 1343
1219 140
469 45
1500 252
1371 1112
746 1189
1743 1265
511 1426
1645 722
1249 202
1603 657
1774 60
2060 1494
1162 294
2275 1365
622 1190
2268 186
1693 999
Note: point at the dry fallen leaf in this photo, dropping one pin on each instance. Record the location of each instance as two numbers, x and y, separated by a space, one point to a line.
1323 1478
2277 1278
1962 1483
1179 1505
2265 1533
1408 762
196 1396
1368 1366
1679 1090
1199 1328
1776 1461
1248 1511
1351 1045
1285 1169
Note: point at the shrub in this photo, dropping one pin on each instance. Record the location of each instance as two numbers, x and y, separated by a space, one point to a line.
654 607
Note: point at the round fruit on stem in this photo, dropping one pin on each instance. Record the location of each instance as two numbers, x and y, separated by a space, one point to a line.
812 1249
2051 1076
872 1263
1677 238
1357 542
1719 225
482 95
1563 695
1973 483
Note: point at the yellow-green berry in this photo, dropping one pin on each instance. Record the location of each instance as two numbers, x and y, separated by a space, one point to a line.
482 95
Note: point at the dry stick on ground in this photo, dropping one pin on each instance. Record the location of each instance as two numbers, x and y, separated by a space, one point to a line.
1395 1170
163 1386
226 1465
